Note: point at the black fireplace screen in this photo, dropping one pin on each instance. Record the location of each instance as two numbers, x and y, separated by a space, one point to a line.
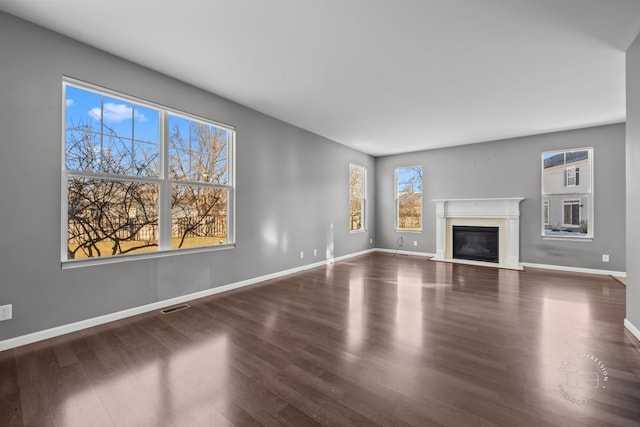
476 243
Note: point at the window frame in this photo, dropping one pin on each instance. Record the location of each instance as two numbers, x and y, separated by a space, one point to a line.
571 193
397 200
163 181
362 200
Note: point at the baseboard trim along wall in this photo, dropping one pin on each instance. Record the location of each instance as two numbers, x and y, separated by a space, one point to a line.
631 328
576 269
393 251
100 320
524 264
88 323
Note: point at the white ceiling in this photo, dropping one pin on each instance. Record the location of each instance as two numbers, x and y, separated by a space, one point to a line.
382 76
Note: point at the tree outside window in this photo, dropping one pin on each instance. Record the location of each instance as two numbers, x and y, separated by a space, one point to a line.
122 195
409 198
357 197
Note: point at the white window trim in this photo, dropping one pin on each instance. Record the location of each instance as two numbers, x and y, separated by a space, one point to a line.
163 181
397 229
363 199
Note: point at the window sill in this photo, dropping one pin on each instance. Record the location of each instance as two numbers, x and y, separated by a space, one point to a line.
568 239
357 231
86 262
408 231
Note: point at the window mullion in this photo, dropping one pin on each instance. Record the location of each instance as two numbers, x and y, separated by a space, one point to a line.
164 208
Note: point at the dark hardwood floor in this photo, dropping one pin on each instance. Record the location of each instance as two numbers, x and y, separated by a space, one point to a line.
375 340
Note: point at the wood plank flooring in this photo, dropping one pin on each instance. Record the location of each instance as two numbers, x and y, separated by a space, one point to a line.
377 340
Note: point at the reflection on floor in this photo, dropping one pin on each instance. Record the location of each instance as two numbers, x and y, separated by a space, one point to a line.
375 340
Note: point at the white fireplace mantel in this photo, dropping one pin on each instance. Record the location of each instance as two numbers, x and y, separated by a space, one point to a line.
506 213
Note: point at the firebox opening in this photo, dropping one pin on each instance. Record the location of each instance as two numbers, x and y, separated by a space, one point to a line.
476 243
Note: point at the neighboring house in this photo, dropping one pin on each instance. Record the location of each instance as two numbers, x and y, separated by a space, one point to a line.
566 189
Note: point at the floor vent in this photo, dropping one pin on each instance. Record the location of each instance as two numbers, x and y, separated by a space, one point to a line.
174 309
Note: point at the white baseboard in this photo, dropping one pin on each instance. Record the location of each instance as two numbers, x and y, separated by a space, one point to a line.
393 251
635 331
95 321
575 269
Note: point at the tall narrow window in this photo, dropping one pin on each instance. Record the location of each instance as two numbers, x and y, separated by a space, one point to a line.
138 177
567 193
357 197
545 213
409 198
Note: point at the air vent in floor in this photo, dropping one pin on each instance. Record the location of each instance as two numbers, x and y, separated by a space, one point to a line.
174 308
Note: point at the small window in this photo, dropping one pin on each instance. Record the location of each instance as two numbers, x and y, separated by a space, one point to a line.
409 198
572 177
357 197
546 213
567 193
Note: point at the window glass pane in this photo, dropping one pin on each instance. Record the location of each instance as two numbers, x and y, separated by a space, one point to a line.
220 157
355 187
116 155
208 154
356 210
83 150
146 124
110 217
409 214
117 118
198 216
83 109
146 159
179 148
410 182
560 172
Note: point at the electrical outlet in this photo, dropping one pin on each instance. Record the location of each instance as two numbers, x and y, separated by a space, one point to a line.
315 252
605 258
415 243
301 254
371 241
5 312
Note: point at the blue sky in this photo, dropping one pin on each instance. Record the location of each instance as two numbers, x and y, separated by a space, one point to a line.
127 120
135 127
410 175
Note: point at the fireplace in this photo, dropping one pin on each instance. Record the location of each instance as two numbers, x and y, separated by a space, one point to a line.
476 243
501 214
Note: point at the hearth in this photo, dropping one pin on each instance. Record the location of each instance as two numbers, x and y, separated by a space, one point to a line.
476 243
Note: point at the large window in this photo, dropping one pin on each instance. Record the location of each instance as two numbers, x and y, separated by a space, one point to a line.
357 197
139 177
567 193
409 198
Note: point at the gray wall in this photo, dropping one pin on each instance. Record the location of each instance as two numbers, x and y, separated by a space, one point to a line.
292 189
633 183
511 168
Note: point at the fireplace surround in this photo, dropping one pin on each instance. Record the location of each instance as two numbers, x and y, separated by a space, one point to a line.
500 213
